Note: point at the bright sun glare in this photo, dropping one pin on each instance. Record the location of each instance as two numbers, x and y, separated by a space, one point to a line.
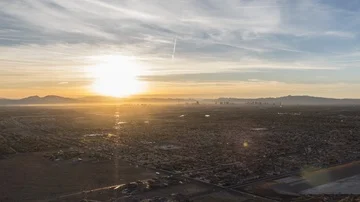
116 76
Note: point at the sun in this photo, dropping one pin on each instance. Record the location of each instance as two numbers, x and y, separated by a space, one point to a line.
116 76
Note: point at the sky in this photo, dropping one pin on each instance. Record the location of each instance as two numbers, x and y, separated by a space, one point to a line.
182 48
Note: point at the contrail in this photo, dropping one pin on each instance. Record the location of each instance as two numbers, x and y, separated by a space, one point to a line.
174 49
278 6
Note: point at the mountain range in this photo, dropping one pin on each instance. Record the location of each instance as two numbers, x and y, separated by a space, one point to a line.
49 99
54 99
285 100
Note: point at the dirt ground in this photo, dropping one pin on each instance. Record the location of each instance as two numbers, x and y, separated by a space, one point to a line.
32 177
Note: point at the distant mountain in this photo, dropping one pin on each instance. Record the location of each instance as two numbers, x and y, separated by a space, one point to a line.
286 100
50 99
30 99
53 99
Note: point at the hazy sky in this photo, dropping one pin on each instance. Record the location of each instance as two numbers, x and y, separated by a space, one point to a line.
191 48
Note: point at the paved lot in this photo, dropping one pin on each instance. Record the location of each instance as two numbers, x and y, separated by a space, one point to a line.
342 179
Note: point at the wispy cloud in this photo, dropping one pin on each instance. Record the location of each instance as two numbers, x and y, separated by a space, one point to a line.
63 83
340 34
289 76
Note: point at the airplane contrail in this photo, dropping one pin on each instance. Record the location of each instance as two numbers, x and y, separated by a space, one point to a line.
174 49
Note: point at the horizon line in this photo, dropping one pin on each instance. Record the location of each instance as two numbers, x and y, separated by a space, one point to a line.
164 97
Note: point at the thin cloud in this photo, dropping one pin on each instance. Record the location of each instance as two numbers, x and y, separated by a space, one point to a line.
340 34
